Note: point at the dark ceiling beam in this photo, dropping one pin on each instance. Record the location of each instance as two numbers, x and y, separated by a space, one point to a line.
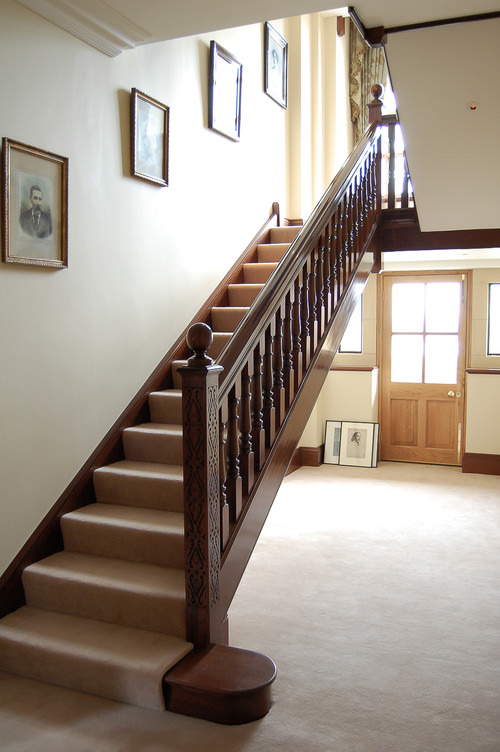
377 35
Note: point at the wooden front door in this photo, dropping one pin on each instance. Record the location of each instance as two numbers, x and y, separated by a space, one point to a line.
424 319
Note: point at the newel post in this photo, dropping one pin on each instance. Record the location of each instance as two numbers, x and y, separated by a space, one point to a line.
375 106
200 420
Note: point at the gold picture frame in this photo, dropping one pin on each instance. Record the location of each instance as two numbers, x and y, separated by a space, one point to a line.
34 206
149 121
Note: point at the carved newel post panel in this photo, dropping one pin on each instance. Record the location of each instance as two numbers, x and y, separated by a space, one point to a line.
200 420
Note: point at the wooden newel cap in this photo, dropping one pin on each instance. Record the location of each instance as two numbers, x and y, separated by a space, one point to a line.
375 106
199 338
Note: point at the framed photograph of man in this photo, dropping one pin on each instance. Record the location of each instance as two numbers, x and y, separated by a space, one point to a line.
34 206
149 121
275 65
359 444
224 92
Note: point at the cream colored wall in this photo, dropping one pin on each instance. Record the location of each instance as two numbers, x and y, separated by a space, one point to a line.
482 390
319 132
349 395
78 343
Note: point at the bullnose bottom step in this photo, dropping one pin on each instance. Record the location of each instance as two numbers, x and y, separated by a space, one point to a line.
221 684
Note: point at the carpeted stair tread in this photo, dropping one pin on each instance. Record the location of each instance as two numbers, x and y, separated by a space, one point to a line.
272 251
149 536
166 406
108 660
220 340
143 596
144 484
257 272
153 442
243 294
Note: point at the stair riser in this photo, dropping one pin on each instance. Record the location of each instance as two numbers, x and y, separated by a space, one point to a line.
151 447
155 493
256 273
269 253
227 319
243 295
284 234
144 546
164 614
166 407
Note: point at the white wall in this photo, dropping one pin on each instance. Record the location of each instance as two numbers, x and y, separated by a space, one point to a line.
78 343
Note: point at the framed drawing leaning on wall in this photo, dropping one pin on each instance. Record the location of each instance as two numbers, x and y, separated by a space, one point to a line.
34 206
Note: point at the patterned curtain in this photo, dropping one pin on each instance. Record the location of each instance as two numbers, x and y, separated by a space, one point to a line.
367 67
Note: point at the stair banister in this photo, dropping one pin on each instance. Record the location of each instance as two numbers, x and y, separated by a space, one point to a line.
263 369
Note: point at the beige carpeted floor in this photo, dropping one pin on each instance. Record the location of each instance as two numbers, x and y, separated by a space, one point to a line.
377 593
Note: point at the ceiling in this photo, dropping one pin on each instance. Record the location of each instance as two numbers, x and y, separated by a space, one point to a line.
435 74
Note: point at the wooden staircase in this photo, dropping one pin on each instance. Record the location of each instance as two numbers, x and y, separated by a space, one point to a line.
117 587
124 589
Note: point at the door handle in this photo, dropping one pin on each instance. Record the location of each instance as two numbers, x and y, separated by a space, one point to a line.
451 394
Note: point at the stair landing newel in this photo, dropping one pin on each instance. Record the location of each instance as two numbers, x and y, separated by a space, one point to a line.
202 522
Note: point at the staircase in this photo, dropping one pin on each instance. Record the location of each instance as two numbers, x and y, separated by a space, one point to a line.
106 615
124 589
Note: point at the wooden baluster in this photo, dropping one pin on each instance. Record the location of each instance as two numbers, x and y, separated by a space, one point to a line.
404 192
234 484
200 443
288 375
391 194
224 506
355 222
328 270
304 317
278 381
313 309
352 223
345 242
320 302
335 259
268 401
258 432
246 454
297 334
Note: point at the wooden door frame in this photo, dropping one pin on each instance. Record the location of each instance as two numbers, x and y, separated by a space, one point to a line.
467 273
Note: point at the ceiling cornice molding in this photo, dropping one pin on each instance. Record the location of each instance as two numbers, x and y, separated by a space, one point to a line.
93 22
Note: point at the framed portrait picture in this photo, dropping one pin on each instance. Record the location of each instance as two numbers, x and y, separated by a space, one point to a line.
357 441
224 101
34 206
149 122
275 65
333 429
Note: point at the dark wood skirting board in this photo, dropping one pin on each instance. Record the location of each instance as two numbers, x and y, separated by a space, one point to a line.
483 371
485 464
306 457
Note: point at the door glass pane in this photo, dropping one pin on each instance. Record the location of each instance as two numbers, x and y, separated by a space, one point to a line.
441 358
408 305
494 319
442 309
407 358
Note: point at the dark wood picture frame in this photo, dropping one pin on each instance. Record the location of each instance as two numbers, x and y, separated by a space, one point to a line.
149 138
224 102
34 206
275 65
